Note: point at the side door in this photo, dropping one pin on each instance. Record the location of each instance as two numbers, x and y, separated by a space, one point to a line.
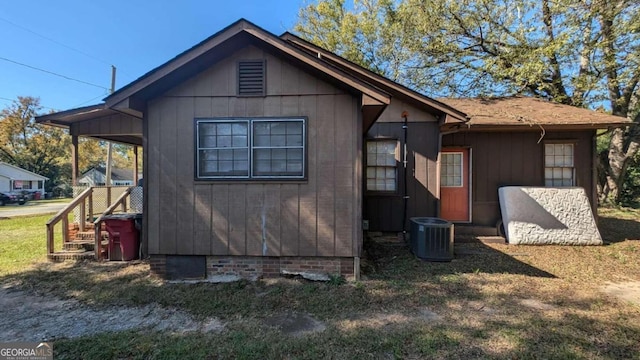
454 184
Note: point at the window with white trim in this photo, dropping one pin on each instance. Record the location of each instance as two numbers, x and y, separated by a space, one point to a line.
559 167
250 149
382 165
451 169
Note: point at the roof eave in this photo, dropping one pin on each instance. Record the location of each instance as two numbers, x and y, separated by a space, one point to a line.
433 103
470 126
56 118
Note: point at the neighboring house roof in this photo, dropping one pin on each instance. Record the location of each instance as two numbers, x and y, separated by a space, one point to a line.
17 173
528 111
117 174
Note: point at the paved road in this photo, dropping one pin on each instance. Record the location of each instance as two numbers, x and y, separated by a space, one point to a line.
30 208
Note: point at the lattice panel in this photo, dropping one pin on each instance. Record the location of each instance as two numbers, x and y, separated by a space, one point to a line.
102 200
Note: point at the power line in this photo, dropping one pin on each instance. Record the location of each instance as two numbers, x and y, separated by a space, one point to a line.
12 100
55 42
92 99
52 73
63 45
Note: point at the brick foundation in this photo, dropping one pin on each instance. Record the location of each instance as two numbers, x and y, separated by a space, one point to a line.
158 265
251 267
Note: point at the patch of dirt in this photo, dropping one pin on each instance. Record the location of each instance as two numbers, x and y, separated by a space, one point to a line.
628 291
480 307
28 317
537 304
380 320
295 324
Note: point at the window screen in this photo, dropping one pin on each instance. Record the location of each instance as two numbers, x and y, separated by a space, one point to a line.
278 148
381 165
559 165
451 169
252 148
223 149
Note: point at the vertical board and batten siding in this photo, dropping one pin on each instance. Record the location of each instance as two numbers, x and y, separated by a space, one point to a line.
315 217
384 211
515 158
117 124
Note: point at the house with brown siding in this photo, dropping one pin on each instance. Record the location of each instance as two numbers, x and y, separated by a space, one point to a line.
267 154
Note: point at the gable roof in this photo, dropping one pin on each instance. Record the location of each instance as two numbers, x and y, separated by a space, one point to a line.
380 81
9 169
63 118
117 174
527 111
213 49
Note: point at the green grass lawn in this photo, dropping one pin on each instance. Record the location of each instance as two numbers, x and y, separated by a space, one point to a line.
478 296
22 242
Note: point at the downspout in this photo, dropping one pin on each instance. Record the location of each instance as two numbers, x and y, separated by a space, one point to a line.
594 176
405 195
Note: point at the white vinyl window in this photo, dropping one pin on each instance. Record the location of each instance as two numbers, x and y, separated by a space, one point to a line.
382 165
559 167
451 169
250 149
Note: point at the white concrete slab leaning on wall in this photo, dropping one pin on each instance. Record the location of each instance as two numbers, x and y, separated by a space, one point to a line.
541 215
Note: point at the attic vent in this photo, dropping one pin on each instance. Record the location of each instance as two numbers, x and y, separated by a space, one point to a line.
251 78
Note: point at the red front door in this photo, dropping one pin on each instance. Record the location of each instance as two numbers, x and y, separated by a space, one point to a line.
454 184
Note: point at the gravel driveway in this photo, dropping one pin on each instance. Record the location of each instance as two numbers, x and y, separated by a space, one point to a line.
25 317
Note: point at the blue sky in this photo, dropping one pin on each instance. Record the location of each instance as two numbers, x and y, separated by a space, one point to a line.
133 35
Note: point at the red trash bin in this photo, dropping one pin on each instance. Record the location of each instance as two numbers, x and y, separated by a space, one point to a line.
36 195
124 240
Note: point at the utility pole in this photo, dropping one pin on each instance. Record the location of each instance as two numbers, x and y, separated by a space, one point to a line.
110 148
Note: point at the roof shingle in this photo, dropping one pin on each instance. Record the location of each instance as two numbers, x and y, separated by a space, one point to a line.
527 111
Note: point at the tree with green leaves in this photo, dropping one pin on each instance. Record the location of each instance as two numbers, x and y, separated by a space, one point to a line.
46 150
582 53
34 147
91 153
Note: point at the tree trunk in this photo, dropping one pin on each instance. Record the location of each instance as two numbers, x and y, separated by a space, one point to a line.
622 149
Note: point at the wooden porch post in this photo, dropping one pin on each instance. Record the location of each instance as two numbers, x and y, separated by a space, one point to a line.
135 165
74 160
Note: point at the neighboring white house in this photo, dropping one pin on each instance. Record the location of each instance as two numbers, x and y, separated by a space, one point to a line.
13 178
97 177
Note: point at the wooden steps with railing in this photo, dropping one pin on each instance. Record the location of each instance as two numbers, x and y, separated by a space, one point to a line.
84 240
81 246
